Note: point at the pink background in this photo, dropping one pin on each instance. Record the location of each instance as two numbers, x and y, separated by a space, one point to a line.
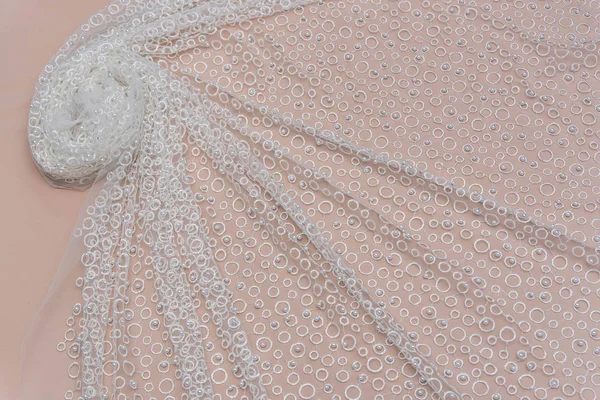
37 219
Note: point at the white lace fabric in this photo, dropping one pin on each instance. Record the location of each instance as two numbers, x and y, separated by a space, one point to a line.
324 200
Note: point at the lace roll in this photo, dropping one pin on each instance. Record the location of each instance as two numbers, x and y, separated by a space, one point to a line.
104 107
264 220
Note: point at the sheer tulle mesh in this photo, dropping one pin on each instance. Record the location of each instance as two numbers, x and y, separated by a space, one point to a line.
324 200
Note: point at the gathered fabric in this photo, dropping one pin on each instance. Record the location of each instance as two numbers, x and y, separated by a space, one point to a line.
355 199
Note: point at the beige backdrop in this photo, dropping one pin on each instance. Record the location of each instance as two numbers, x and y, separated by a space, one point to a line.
36 219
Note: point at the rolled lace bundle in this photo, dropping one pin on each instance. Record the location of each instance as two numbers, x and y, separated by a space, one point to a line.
263 223
95 98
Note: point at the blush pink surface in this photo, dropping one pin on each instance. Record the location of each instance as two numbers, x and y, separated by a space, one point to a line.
37 220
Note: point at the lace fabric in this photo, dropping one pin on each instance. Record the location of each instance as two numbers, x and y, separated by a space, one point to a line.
310 200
